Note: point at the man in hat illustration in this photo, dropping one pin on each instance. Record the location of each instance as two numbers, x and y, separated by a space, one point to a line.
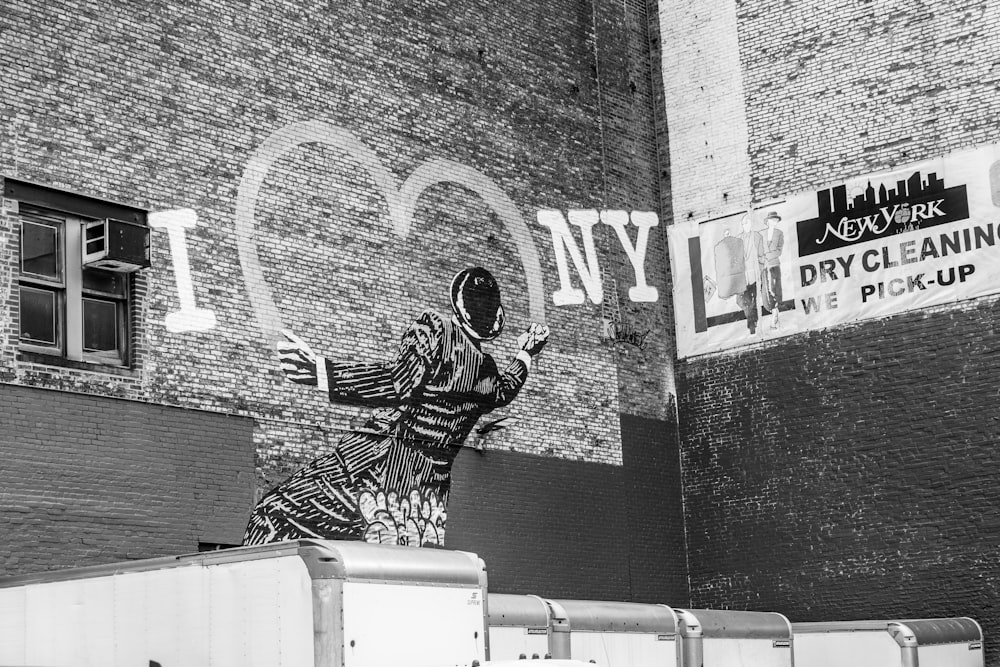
389 481
774 242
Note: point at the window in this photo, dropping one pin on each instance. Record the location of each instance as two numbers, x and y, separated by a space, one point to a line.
79 277
67 309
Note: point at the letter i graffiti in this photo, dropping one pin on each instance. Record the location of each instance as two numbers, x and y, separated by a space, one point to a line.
189 317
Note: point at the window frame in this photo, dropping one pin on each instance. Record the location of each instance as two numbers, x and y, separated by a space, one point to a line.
65 205
37 344
44 283
122 303
70 294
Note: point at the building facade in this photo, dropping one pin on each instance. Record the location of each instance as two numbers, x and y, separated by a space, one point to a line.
326 169
729 412
843 469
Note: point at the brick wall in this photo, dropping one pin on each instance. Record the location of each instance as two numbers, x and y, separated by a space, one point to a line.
851 88
88 480
520 103
652 486
850 473
704 108
290 131
839 476
627 545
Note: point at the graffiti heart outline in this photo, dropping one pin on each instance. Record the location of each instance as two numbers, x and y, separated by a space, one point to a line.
400 198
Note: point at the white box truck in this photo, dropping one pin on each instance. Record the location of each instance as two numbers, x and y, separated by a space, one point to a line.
308 603
620 634
613 634
522 626
935 642
719 638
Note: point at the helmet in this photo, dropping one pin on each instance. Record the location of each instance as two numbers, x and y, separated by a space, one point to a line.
475 298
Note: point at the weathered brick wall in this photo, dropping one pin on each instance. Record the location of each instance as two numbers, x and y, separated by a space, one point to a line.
628 545
704 108
542 105
523 110
843 88
87 480
850 473
839 475
634 155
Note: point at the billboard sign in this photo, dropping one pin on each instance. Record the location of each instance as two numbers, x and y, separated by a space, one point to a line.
880 244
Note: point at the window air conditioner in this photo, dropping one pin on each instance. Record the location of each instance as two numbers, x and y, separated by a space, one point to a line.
115 245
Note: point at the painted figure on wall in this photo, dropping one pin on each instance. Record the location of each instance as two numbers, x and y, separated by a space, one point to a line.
389 481
753 266
774 242
739 264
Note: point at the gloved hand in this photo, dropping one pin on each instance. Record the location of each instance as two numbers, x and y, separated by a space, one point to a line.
297 359
533 340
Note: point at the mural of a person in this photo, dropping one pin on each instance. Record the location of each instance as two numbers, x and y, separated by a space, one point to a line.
753 266
389 481
774 243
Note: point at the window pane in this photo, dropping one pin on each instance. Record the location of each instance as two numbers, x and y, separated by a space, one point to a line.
106 282
38 316
100 325
40 250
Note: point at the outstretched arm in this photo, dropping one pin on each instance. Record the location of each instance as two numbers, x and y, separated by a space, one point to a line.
298 361
364 384
379 384
514 376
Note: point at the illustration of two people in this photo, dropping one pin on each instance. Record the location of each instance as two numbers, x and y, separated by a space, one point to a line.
749 265
390 480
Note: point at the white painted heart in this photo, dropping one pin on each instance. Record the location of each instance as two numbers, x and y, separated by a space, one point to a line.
401 200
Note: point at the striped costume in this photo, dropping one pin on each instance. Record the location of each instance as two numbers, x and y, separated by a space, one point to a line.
426 402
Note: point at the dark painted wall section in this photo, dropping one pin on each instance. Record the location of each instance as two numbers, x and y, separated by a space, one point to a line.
536 533
569 529
657 550
851 473
86 480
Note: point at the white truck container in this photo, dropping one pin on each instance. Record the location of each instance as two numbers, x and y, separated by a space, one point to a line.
935 642
309 603
714 638
613 634
541 662
522 626
620 634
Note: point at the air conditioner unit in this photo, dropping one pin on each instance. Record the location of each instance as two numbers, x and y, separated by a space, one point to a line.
115 245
